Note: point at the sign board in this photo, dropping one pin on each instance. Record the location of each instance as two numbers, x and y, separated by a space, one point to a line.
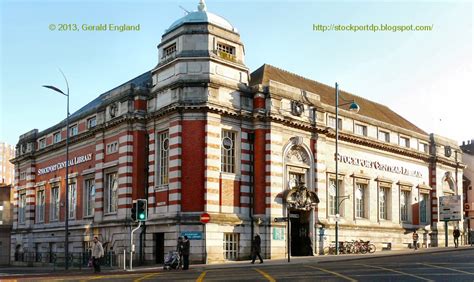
278 233
294 215
280 219
450 208
205 218
192 235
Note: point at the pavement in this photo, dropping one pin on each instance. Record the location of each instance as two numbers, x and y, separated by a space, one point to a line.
235 264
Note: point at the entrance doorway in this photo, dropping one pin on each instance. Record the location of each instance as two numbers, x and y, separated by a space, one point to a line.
159 239
300 233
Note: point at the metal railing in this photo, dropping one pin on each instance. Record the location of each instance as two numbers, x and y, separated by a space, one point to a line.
75 260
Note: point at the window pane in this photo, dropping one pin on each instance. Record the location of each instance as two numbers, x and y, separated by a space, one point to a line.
228 151
163 157
360 200
361 129
383 203
89 198
72 200
111 192
404 202
332 196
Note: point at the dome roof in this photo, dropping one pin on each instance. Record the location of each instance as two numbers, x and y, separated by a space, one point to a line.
202 16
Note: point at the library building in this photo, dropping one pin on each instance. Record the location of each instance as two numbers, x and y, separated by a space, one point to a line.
264 152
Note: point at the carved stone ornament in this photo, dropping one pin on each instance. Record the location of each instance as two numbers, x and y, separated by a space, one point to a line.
297 155
297 108
300 198
113 110
447 151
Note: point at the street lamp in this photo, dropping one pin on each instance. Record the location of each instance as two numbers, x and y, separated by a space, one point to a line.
353 107
66 239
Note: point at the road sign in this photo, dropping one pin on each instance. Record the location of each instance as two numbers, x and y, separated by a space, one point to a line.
280 219
192 235
205 218
450 208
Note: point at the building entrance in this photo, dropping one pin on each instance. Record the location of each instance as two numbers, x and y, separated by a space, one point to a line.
159 247
300 233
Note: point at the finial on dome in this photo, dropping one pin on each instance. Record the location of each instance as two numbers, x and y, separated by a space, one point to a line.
202 6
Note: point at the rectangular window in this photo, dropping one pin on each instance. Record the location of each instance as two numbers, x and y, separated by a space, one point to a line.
111 190
423 147
424 198
228 151
384 136
404 142
55 203
73 130
332 195
361 129
231 246
42 143
225 48
163 157
40 205
226 52
22 208
112 147
89 189
332 122
170 50
57 137
91 122
360 200
383 202
72 198
404 203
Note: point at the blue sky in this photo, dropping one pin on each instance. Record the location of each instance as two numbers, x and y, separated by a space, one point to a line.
424 76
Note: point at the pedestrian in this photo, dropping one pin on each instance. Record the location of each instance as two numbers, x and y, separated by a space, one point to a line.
415 240
97 253
256 248
456 235
471 236
179 249
185 251
308 245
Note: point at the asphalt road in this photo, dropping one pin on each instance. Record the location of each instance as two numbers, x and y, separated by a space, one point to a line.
443 266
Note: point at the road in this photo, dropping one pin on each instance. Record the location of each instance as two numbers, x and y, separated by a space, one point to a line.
456 265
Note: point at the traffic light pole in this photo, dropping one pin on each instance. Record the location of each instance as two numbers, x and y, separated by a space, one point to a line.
132 247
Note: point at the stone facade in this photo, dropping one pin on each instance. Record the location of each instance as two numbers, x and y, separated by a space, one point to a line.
199 134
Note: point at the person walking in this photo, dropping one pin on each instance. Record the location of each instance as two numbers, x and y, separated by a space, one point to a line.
186 247
415 240
456 234
179 249
256 248
97 253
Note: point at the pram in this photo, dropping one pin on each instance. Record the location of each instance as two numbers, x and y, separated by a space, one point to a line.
172 261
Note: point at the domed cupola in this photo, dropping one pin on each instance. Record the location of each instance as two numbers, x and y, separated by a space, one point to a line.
202 16
200 48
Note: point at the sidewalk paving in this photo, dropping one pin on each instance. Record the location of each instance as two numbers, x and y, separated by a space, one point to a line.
18 270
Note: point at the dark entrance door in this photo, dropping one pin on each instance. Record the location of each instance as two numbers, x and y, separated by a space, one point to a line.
300 238
159 247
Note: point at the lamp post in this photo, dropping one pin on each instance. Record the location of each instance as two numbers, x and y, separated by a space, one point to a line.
353 107
66 238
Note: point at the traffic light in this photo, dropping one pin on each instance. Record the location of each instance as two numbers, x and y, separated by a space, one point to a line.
134 211
142 211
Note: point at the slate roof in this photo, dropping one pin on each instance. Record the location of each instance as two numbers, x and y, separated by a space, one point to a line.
367 108
91 107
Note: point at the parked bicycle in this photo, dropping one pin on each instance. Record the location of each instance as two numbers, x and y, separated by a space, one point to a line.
351 247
